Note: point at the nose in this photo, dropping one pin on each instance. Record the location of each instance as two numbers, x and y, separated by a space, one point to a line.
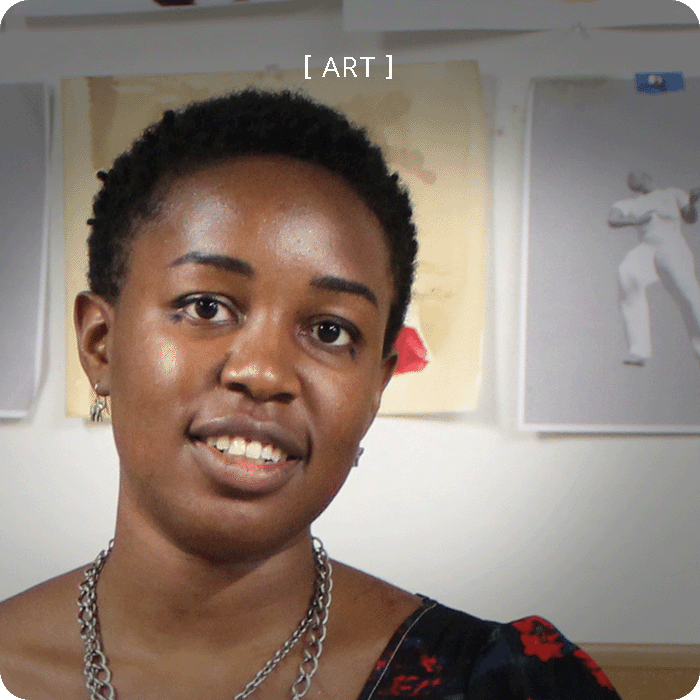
260 362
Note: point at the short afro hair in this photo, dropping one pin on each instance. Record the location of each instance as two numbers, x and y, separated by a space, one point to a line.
246 123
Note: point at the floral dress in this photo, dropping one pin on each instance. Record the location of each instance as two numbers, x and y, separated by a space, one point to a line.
444 654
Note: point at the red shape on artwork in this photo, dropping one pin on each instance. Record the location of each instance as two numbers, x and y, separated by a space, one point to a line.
412 352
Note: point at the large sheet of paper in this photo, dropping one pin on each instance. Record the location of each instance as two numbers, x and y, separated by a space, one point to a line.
24 237
611 290
396 15
430 121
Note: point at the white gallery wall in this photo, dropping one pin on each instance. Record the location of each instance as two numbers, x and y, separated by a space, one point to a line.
597 533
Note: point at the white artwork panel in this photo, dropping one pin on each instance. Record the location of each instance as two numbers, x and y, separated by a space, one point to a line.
23 233
610 337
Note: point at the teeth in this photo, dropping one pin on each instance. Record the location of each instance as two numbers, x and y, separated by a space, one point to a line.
237 448
222 443
240 447
253 450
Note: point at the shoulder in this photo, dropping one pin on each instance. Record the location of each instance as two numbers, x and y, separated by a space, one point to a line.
682 197
625 205
533 659
367 610
431 654
39 608
40 638
673 195
445 653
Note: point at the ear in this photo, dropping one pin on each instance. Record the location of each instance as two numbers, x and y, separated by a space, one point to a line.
93 318
388 367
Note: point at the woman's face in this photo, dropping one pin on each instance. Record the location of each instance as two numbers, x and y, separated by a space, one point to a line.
244 356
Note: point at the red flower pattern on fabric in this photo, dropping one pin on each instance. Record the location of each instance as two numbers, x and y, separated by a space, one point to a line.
540 638
429 663
530 648
593 667
411 686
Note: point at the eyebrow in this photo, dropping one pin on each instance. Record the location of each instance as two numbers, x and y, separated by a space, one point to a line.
223 262
338 284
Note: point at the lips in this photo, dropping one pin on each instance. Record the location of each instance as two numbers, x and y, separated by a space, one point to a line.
251 431
252 449
245 455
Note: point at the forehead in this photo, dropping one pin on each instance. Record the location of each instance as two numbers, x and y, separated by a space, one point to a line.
297 204
270 211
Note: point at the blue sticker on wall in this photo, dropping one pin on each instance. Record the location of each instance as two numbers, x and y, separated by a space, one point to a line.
654 83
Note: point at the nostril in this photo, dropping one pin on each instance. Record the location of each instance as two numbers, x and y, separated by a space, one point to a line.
240 387
284 397
259 394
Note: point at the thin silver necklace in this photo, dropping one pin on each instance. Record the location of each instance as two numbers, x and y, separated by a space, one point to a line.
313 625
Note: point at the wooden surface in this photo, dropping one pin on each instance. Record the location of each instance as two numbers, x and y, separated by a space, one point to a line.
649 671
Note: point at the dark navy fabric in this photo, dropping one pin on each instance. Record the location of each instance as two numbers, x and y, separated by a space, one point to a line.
444 654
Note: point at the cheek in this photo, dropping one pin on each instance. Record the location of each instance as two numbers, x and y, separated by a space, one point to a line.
149 370
344 406
151 377
168 360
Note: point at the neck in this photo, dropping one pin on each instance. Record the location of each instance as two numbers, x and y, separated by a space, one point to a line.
153 594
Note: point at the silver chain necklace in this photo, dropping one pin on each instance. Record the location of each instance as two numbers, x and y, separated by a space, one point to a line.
313 625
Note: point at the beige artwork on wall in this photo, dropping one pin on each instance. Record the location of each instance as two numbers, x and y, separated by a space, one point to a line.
429 119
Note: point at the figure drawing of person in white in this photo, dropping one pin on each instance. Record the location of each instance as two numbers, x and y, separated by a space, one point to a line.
663 254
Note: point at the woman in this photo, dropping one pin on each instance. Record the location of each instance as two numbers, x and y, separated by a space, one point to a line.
250 266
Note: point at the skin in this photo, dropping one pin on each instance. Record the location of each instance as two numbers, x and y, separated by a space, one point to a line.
255 305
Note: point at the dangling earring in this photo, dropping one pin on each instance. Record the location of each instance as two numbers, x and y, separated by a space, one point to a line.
360 450
98 408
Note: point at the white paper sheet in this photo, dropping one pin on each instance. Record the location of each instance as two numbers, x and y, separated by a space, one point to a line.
23 244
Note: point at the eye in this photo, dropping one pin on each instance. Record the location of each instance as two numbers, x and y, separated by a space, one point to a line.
332 333
205 307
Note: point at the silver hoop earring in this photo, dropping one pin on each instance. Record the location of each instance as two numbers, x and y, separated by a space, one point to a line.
360 450
99 407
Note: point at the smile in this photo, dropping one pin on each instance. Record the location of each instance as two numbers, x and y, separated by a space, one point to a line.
237 446
246 466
